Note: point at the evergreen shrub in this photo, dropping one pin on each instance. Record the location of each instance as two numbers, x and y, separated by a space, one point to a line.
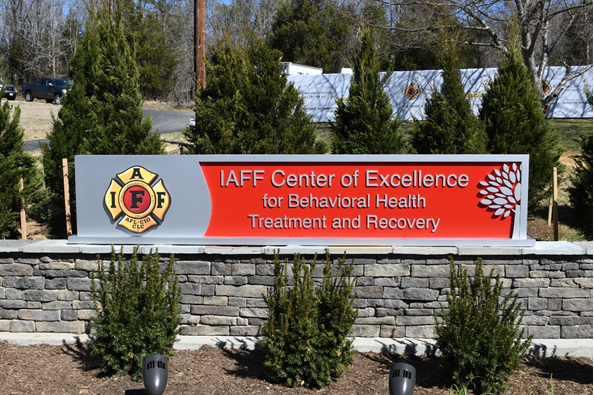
305 337
479 337
137 312
580 192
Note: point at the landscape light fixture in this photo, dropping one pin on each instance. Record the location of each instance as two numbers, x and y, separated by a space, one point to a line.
402 379
154 374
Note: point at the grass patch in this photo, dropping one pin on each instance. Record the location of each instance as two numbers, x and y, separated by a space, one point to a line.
570 130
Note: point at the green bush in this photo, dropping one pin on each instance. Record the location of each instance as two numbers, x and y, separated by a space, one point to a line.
580 193
137 314
305 336
479 337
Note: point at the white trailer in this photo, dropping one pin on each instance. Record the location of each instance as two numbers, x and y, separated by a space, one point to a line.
300 69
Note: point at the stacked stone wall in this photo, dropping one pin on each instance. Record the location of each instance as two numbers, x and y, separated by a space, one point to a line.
397 294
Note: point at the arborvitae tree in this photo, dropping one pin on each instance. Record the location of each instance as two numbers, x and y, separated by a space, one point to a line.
15 165
450 126
364 123
580 192
248 107
102 113
515 124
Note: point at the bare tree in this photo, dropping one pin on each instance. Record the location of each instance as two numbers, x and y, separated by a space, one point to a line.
543 25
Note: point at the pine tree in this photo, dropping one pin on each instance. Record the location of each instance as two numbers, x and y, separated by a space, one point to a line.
450 127
364 123
102 113
15 165
248 107
515 124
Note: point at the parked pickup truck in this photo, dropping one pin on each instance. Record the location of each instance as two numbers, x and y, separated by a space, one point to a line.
50 89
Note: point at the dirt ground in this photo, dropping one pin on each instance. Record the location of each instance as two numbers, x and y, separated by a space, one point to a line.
68 369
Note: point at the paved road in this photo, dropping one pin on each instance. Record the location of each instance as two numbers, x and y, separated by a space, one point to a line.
165 121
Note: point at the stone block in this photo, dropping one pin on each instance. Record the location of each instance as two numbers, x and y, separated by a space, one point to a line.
16 269
537 303
56 266
577 304
83 305
368 292
24 282
570 320
516 271
430 271
564 293
392 331
264 270
387 281
61 327
539 320
258 303
544 332
531 282
68 315
89 266
247 291
64 294
244 330
57 305
192 299
261 280
4 325
366 312
386 270
205 330
393 293
412 282
421 332
39 315
214 310
253 312
206 279
56 283
387 320
217 320
364 281
188 319
419 312
79 284
7 314
13 294
420 294
576 332
439 283
191 288
243 269
365 330
236 280
414 320
22 326
192 267
13 304
238 302
256 321
208 289
63 273
216 300
40 295
387 303
85 315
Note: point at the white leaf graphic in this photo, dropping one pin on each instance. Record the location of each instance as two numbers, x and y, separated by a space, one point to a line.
491 189
501 190
512 177
506 191
483 183
508 184
486 202
506 214
514 166
497 172
518 192
505 168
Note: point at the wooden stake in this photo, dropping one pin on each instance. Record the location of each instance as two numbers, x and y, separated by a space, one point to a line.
550 211
555 206
23 215
66 197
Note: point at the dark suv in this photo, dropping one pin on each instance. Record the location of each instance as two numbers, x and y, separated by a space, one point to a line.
10 91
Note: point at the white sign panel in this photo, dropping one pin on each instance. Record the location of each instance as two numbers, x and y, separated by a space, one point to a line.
409 91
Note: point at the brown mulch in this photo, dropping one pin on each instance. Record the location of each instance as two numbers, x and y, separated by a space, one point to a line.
68 369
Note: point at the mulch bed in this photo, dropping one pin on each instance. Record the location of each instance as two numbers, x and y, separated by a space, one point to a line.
68 369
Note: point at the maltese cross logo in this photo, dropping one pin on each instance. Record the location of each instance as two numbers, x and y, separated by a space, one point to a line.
137 199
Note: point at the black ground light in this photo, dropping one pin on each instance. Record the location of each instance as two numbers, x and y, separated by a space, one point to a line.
402 379
154 374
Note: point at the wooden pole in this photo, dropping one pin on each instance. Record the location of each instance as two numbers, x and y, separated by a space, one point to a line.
23 215
555 206
66 196
199 43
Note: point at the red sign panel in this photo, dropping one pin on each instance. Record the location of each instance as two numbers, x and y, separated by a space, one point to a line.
367 200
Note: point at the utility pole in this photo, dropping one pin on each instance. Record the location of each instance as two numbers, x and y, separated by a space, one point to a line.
199 44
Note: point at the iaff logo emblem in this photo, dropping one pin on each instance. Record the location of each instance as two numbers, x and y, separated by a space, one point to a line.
142 202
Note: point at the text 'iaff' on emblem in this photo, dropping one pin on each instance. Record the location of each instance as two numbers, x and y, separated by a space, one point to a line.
138 199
